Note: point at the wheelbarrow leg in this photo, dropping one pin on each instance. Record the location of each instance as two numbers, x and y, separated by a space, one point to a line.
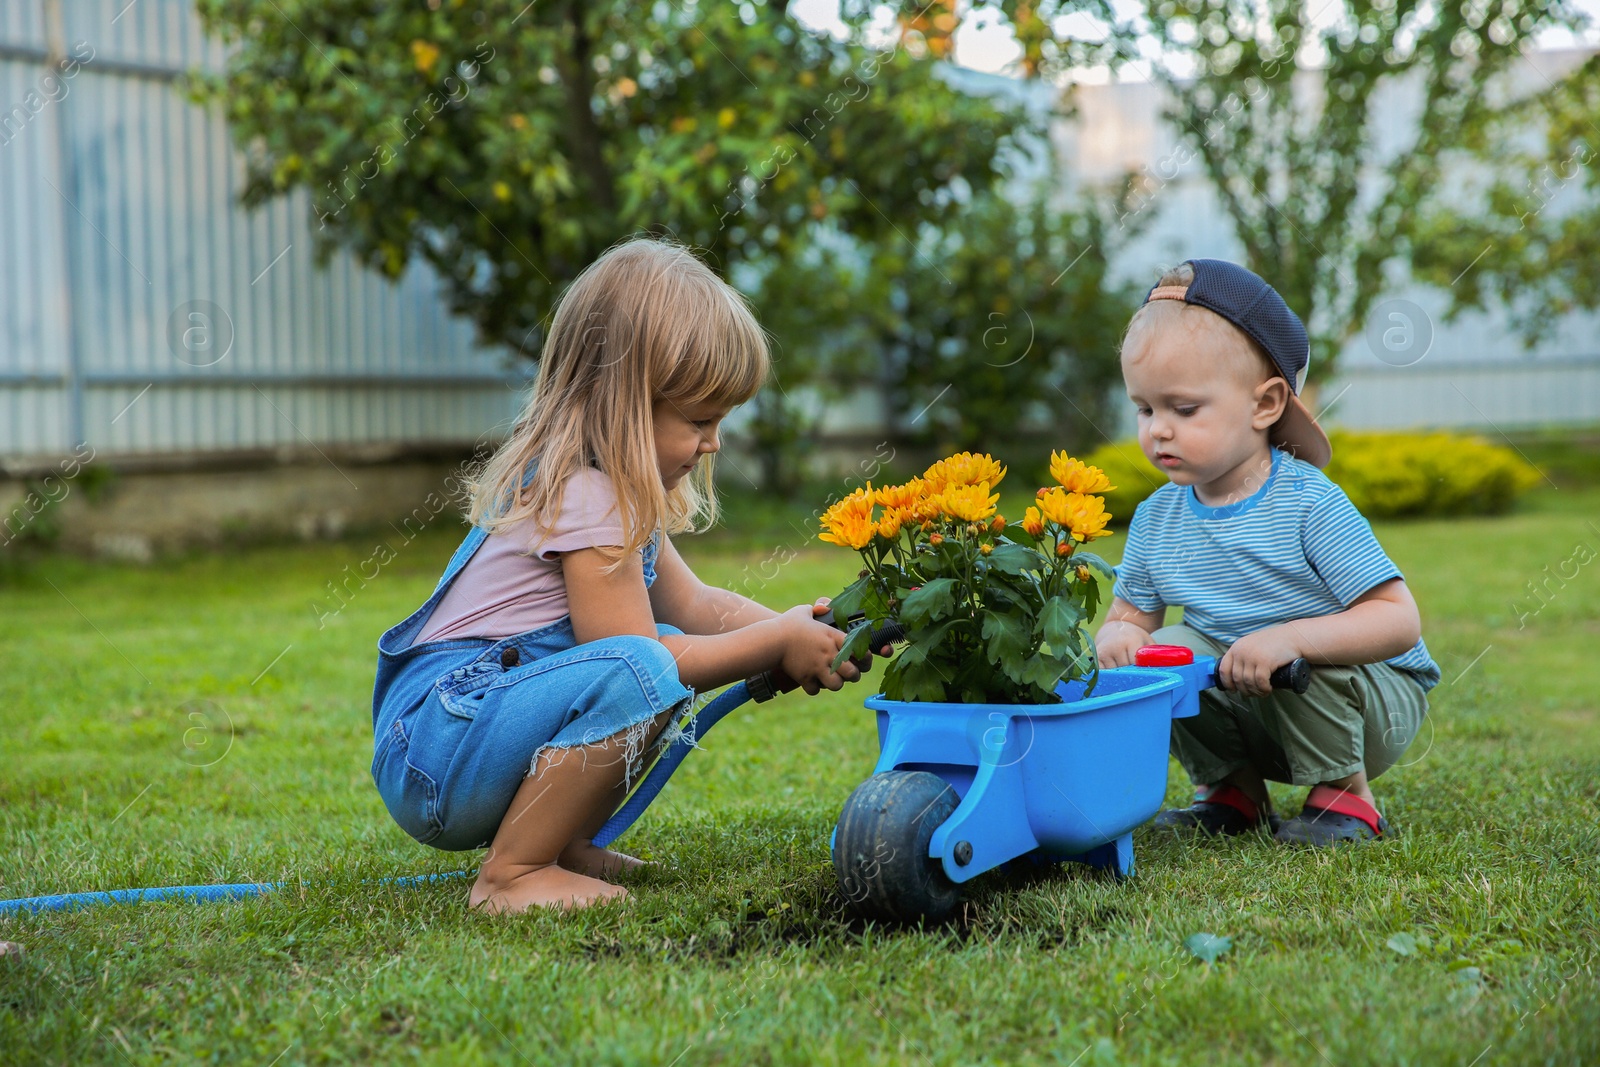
1114 856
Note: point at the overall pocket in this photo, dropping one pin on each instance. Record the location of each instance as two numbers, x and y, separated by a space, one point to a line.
410 795
461 691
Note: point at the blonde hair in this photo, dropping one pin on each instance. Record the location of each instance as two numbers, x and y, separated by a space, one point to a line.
646 322
1256 367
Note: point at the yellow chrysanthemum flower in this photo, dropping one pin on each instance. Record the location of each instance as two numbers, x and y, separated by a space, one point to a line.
1075 476
889 525
964 468
1087 517
1053 505
849 521
927 508
1033 522
902 496
969 503
861 499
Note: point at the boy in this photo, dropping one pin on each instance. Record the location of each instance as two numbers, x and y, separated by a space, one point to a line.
1269 560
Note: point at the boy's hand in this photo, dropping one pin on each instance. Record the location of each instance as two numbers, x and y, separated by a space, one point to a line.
1248 665
1117 642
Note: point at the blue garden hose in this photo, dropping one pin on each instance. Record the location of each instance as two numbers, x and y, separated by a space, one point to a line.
197 893
707 717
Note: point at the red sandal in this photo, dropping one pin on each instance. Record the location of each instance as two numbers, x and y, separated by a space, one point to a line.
1225 810
1333 816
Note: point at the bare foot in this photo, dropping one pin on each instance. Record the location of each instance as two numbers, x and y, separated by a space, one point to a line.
588 858
540 887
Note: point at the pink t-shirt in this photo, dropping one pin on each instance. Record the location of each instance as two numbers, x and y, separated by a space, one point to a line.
506 588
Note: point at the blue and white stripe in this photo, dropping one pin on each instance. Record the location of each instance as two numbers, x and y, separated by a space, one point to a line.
1294 549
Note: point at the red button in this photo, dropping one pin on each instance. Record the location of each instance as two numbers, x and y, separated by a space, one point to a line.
1163 656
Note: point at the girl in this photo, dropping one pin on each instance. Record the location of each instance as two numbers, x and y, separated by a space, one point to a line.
515 707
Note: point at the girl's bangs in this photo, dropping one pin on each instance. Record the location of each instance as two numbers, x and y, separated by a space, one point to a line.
722 359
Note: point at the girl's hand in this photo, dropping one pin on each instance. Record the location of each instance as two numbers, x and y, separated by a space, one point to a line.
809 649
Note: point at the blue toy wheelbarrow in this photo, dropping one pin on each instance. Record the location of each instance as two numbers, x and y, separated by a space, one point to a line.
960 789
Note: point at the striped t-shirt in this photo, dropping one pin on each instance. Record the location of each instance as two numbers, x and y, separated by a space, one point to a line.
1294 549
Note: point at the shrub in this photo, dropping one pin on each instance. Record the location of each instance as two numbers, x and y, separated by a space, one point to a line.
1393 474
1386 475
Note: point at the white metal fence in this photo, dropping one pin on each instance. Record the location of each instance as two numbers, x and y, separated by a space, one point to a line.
143 311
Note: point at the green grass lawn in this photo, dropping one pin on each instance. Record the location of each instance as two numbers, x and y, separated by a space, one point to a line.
194 722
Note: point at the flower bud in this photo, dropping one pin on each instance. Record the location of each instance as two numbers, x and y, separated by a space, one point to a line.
997 524
1064 548
1083 573
936 539
986 549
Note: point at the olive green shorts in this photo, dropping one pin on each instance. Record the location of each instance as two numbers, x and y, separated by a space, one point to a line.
1355 718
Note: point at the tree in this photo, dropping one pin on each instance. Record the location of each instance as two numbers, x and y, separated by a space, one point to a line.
509 144
1531 229
1281 101
1004 323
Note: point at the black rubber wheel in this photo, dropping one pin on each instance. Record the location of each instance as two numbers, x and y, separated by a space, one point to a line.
880 851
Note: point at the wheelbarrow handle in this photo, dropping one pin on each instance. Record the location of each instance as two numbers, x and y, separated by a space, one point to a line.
770 683
1295 675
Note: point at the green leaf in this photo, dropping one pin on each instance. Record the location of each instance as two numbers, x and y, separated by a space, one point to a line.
1044 670
934 598
851 599
913 681
1404 944
1206 946
1011 558
855 644
1059 620
1008 642
923 645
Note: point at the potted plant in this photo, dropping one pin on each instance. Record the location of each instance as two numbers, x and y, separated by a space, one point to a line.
993 613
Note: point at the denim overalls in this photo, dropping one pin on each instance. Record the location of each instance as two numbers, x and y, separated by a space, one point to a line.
458 723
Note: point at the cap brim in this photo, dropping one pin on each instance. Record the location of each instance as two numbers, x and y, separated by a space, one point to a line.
1298 433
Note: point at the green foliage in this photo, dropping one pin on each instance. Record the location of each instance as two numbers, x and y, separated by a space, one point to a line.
509 144
1001 319
1386 475
1531 226
982 631
1285 103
